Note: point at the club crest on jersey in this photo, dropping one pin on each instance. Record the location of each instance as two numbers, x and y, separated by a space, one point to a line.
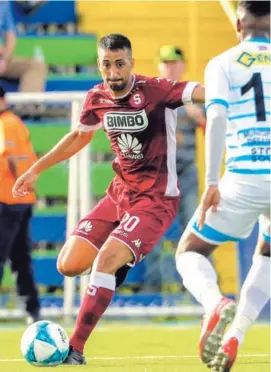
137 99
120 121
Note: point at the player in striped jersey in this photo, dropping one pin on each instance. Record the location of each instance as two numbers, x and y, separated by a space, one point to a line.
238 115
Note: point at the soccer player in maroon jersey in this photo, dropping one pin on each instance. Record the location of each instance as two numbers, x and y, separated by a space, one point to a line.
137 113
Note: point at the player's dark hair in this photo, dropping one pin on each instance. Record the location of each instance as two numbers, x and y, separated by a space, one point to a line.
115 42
256 8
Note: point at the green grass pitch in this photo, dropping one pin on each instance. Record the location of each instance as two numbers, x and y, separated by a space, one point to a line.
143 348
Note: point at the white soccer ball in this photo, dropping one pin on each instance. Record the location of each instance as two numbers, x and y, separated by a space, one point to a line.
45 344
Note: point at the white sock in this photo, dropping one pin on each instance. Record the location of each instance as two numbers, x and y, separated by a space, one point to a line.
254 295
103 280
200 278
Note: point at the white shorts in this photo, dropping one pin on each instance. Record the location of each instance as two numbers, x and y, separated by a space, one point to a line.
243 201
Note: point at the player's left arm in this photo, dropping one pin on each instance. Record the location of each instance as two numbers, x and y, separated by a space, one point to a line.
198 94
197 114
174 94
217 97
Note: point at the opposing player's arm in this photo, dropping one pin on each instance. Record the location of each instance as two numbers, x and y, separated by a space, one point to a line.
215 137
217 96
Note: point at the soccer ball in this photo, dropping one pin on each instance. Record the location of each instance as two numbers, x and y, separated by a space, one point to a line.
45 344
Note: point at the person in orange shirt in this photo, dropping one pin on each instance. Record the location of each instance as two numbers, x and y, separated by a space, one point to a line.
16 156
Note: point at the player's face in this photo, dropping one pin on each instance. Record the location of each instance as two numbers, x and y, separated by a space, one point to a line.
116 67
171 69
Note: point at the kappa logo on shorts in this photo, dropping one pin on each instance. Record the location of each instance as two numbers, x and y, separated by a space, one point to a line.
137 243
85 226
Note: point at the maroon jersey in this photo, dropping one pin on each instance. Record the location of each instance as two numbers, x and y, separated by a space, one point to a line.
141 127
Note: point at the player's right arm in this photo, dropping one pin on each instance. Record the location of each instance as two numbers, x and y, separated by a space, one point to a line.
68 146
63 150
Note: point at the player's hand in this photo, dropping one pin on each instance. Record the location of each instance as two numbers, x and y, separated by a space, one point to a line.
210 199
25 184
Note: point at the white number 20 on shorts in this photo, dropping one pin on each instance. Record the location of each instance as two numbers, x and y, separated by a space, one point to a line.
129 223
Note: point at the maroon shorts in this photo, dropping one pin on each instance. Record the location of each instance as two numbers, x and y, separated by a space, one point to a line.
138 222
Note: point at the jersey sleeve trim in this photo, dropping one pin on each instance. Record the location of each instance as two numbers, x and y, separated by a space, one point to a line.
266 238
187 92
89 128
217 101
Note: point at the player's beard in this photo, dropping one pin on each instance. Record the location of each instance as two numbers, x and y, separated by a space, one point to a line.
117 87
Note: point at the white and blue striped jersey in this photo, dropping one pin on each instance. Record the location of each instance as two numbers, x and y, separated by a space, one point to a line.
240 79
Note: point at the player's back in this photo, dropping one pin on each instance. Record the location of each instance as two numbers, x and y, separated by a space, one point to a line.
247 67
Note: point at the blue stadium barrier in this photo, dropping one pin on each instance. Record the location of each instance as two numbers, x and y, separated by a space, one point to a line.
53 84
174 232
9 85
48 228
60 12
44 265
119 300
53 228
74 84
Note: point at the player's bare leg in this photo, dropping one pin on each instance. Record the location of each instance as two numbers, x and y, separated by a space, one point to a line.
200 278
113 255
255 294
76 257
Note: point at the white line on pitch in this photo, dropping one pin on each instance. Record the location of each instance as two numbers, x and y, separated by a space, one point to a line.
146 357
121 328
168 357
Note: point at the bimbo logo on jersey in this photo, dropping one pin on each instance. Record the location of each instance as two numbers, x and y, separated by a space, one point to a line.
126 121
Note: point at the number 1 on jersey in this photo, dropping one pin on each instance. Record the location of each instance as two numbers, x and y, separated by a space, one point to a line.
256 83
